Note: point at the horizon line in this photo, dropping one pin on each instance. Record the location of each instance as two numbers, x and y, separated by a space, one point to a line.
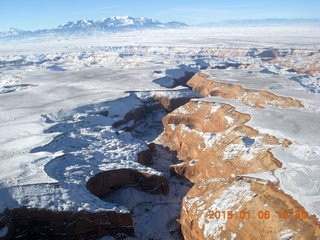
189 25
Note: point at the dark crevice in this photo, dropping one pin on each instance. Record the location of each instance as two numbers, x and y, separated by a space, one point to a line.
177 77
107 182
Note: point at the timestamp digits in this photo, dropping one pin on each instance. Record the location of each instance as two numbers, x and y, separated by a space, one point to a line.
261 214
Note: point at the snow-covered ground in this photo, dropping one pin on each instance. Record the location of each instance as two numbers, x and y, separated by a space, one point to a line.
55 135
53 91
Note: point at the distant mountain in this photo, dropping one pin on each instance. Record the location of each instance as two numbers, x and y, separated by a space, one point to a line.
116 23
267 21
88 26
13 32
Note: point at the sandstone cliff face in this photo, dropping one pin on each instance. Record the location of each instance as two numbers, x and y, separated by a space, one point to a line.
213 141
201 83
216 145
244 209
171 103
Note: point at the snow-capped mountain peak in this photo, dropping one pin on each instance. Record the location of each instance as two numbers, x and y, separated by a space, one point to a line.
13 32
122 21
116 23
77 24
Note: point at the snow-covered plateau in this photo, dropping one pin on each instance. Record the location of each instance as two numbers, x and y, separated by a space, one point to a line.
86 123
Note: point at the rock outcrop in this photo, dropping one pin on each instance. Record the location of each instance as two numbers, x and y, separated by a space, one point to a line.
244 209
171 103
145 157
217 147
213 141
303 62
202 84
134 115
106 182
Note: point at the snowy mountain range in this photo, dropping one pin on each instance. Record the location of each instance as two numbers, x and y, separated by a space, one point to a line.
117 23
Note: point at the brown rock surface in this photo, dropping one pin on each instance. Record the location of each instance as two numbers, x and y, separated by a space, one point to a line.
201 84
145 157
244 209
106 182
171 103
304 62
213 142
215 146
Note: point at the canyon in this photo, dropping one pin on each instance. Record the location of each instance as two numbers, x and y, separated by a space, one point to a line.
165 140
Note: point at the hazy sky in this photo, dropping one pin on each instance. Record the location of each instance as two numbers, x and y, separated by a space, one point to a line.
40 14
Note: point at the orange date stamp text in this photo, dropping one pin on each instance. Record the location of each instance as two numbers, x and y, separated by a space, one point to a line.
261 214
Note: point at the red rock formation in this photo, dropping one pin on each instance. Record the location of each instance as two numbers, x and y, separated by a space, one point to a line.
244 209
171 103
201 84
215 146
210 139
309 63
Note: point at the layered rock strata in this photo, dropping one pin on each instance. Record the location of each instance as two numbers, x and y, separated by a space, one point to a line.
244 209
216 146
201 83
214 141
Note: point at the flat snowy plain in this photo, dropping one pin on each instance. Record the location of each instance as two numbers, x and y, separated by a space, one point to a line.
52 89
